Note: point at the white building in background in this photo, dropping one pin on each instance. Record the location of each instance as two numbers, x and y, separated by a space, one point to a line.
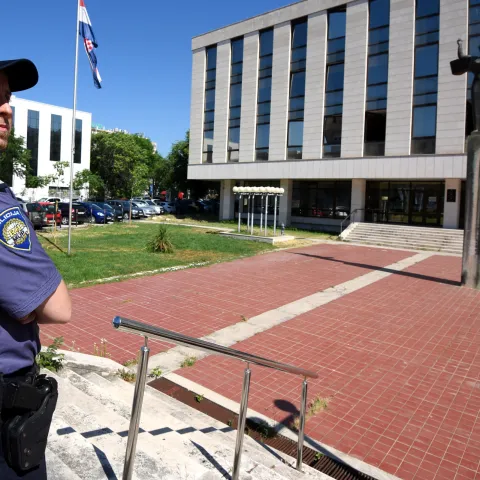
47 132
348 105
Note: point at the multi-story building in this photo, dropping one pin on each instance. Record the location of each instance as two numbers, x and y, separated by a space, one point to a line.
47 133
347 105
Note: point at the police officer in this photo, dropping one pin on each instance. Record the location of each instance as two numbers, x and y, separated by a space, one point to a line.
32 291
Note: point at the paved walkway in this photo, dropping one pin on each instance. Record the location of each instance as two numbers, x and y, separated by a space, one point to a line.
399 359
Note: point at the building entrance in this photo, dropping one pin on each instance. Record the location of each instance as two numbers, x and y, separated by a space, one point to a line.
412 203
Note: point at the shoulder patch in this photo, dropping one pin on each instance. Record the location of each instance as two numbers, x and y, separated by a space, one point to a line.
14 231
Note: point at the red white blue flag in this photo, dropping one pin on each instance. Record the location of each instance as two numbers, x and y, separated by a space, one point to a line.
90 43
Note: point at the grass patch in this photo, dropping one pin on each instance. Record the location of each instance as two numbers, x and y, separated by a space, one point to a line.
117 249
188 362
317 405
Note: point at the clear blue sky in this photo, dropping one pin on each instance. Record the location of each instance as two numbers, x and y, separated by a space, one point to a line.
144 56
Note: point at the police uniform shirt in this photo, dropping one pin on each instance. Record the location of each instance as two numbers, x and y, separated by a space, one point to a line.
27 278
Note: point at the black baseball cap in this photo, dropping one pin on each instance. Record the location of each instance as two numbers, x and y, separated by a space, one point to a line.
22 74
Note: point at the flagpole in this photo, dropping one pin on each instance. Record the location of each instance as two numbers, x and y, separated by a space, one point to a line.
73 129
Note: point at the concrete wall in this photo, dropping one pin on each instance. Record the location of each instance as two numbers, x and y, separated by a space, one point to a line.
353 120
227 200
248 118
45 165
222 95
280 91
315 85
400 77
197 106
452 90
359 189
451 211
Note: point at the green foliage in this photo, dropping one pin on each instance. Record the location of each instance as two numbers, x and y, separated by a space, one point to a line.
101 350
156 372
91 181
188 362
51 359
127 375
130 363
318 456
161 241
199 398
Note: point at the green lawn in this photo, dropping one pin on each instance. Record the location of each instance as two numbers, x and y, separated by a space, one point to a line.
100 252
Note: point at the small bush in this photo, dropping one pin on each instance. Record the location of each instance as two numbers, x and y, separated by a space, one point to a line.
188 362
51 359
156 373
161 241
127 375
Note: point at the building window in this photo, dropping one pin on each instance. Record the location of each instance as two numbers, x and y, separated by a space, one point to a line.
377 78
264 96
325 199
55 138
32 139
425 87
209 110
235 100
298 63
473 49
78 141
332 129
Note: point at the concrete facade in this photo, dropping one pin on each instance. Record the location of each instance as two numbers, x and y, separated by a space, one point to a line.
446 165
45 164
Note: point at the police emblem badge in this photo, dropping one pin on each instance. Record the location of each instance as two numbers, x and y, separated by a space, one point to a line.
14 231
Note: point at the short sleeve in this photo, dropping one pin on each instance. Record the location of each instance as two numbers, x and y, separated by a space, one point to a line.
28 275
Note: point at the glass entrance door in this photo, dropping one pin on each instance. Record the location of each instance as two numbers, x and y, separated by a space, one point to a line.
412 203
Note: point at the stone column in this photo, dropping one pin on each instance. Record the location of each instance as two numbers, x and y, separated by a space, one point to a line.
359 191
285 206
227 200
451 211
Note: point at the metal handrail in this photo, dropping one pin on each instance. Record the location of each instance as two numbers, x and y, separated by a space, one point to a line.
149 331
349 216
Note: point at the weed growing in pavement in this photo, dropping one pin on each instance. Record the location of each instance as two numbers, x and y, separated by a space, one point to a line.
188 362
265 430
318 456
199 398
130 363
244 318
101 350
161 241
155 373
317 405
230 423
51 359
127 375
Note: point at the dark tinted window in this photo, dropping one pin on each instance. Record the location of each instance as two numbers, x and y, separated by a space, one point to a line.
424 121
378 69
299 34
297 87
32 139
427 7
211 58
426 61
78 141
55 137
237 50
263 135
236 95
336 24
428 24
295 133
335 76
264 89
379 13
266 42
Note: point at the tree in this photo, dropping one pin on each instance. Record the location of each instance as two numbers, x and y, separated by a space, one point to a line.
14 160
58 176
115 159
94 185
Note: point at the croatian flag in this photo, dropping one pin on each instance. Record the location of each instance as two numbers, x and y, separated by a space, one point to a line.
85 30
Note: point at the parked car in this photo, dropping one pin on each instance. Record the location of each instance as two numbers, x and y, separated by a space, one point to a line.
158 208
125 206
96 214
144 209
50 210
78 213
168 207
50 200
37 214
115 210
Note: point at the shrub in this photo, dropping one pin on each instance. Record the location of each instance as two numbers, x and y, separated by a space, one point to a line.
161 241
51 359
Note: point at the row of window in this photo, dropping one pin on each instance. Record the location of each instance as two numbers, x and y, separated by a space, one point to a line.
424 95
33 123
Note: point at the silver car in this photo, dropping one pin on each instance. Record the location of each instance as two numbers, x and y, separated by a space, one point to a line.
148 211
158 209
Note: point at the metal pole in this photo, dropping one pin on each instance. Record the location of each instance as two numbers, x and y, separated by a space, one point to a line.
266 214
242 418
301 428
74 113
275 217
248 212
471 239
261 216
253 214
239 212
136 412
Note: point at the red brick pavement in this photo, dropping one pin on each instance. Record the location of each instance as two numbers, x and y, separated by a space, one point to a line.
399 361
200 301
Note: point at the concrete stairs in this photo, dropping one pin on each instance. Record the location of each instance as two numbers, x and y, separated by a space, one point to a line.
89 434
399 236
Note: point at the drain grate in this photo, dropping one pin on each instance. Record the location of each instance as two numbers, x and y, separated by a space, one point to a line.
323 463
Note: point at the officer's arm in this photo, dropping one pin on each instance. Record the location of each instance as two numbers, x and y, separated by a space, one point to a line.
57 308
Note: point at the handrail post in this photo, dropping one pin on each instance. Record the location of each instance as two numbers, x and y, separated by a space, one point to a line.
136 412
301 428
240 210
242 418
